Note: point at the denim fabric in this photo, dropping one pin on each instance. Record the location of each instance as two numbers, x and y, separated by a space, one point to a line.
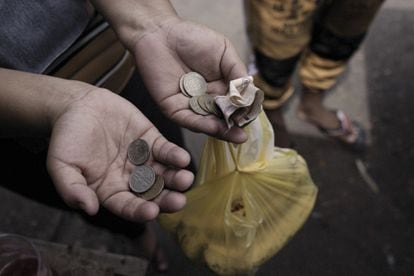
35 32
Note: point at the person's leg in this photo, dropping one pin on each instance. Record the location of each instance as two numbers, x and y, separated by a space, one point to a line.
278 30
273 78
337 34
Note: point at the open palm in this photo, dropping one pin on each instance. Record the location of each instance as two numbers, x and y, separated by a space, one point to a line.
167 53
87 158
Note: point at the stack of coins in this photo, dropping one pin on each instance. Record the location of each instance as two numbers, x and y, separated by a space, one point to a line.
194 86
143 180
240 106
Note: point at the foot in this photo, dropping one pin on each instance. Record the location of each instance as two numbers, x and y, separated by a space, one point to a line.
312 109
336 124
333 123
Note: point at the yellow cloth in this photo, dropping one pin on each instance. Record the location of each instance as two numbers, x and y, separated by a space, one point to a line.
279 29
248 201
274 97
317 73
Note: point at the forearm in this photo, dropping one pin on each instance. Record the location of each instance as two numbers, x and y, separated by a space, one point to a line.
29 103
132 18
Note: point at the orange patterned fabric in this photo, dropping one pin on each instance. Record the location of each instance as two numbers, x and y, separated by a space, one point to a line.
279 28
282 29
317 73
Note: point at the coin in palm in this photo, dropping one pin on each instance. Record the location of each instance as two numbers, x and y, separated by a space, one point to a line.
155 190
138 152
194 84
142 179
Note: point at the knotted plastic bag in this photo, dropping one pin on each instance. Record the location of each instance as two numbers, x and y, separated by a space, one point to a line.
247 202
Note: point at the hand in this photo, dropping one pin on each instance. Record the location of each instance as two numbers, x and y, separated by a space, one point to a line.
166 53
87 158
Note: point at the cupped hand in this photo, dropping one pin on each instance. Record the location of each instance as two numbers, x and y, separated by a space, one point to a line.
87 158
166 53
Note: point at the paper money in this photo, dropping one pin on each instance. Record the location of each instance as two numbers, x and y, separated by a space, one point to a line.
242 91
227 108
242 104
252 112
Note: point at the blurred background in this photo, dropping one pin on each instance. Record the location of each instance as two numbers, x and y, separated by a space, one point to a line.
363 221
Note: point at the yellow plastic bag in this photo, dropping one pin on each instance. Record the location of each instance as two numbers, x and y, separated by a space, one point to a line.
248 201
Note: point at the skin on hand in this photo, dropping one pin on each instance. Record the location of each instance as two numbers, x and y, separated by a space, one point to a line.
165 48
87 158
166 53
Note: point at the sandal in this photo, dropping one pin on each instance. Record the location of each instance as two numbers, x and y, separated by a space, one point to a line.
274 97
350 133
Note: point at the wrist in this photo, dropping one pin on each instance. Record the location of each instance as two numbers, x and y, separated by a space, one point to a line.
30 103
132 36
132 19
61 100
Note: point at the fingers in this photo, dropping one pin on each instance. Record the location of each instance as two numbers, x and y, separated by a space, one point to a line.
179 180
218 87
72 187
210 125
235 135
177 109
231 65
169 153
170 201
168 158
130 207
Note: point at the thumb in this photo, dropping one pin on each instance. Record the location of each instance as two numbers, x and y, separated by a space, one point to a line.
72 187
231 65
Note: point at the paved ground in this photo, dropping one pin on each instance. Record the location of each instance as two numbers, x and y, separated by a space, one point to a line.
354 229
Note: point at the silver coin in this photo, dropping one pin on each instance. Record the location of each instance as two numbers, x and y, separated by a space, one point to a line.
195 106
138 152
142 179
208 103
215 110
182 89
194 84
202 102
155 190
